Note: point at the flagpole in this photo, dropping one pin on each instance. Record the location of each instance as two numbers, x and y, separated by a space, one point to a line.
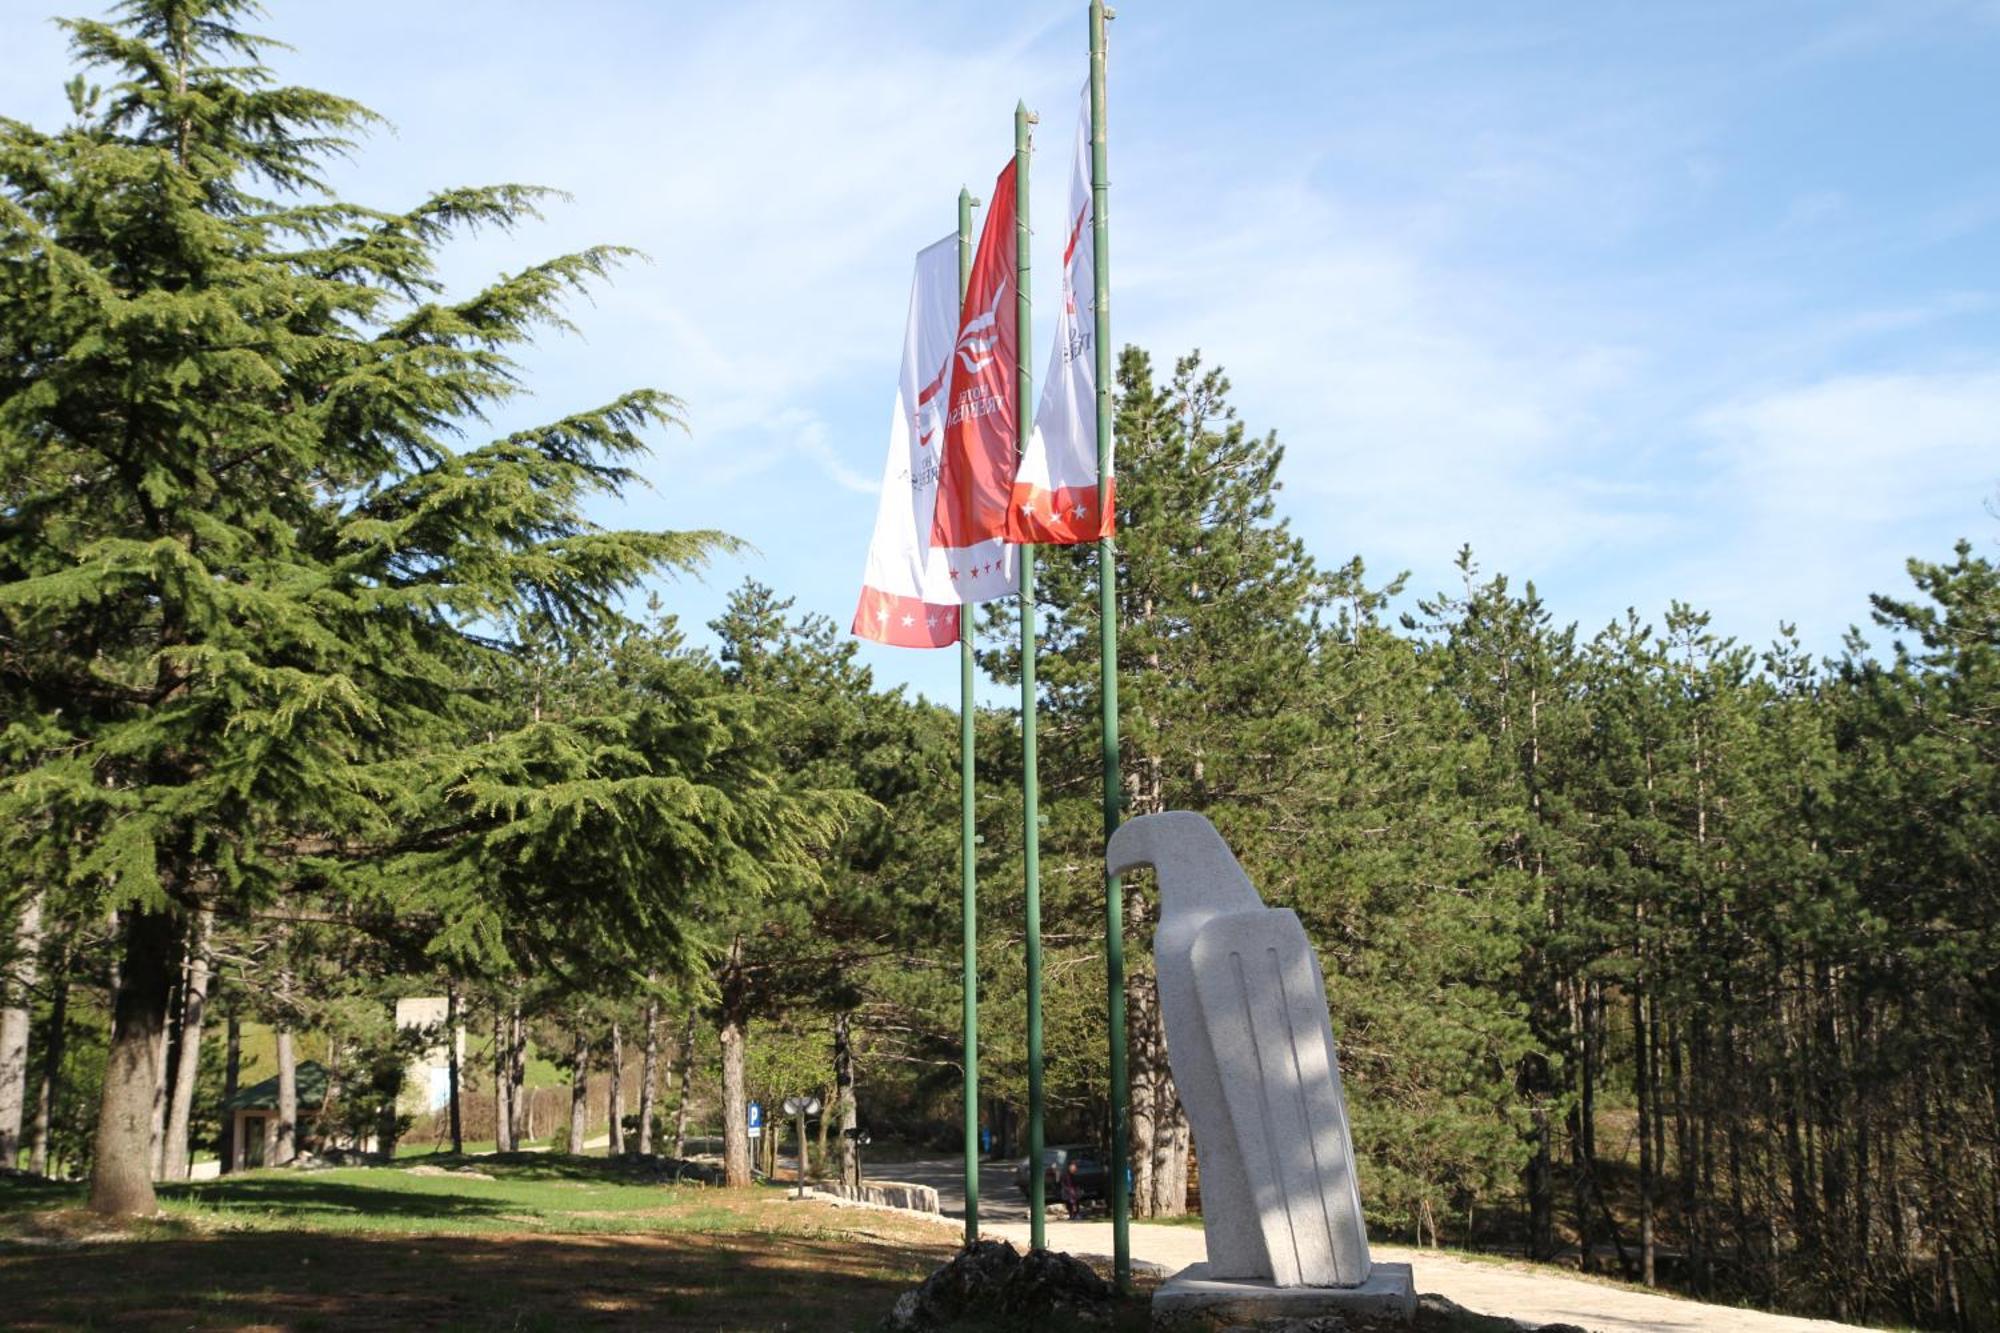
968 870
1031 860
1107 628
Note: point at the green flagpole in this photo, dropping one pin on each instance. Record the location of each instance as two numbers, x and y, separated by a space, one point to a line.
1107 628
968 869
1031 861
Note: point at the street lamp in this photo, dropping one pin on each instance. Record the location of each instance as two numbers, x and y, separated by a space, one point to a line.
859 1137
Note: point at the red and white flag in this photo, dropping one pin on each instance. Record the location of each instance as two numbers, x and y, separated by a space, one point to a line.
980 435
910 597
1054 498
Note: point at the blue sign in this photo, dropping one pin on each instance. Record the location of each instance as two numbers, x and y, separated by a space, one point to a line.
756 1115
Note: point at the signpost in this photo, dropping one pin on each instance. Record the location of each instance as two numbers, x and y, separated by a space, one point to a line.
756 1120
801 1107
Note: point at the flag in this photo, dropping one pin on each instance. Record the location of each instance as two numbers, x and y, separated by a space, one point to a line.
1054 498
980 437
909 597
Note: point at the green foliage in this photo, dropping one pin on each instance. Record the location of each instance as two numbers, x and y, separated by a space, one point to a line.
262 591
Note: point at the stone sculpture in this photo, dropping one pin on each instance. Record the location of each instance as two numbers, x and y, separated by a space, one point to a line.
1251 1047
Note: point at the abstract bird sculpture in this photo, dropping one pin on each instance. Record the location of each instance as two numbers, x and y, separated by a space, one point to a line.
1251 1048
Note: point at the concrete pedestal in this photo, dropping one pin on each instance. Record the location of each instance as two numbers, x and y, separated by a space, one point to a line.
1192 1301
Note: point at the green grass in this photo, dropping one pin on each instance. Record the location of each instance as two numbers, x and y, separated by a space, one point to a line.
539 1192
550 1242
407 1148
517 1241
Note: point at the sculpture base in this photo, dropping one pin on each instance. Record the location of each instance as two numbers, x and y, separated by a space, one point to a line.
1193 1301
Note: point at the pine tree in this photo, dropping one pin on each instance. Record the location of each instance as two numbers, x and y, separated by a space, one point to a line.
885 764
1217 605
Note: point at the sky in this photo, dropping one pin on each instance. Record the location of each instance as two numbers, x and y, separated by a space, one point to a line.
1644 302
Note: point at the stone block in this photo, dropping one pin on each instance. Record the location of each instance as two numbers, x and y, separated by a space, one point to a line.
1193 1302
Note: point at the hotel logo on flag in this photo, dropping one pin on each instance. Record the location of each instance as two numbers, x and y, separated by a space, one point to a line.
911 595
979 433
1054 498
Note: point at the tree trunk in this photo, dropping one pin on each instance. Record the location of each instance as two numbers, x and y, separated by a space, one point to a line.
17 988
287 1146
847 1112
503 1083
687 1079
163 1069
735 1127
649 1075
617 1095
1534 1081
121 1181
735 1130
523 1106
1577 1081
1641 1086
53 1042
1143 997
1171 1141
194 1006
579 1091
232 1072
451 1066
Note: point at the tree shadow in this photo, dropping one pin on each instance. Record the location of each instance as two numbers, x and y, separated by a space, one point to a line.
306 1280
315 1196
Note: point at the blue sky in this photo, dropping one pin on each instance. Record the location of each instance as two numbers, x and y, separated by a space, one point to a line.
1656 301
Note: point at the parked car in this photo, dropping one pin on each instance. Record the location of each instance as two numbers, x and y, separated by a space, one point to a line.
1092 1180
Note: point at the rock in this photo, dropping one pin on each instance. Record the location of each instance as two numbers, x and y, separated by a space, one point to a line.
461 1172
1438 1314
991 1279
887 1193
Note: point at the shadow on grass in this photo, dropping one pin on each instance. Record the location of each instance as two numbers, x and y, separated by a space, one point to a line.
306 1281
24 1195
540 1166
310 1196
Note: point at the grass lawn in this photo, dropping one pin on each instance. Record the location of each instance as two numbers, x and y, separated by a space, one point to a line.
549 1242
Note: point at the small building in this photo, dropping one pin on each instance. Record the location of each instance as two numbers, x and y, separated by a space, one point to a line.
253 1115
427 1080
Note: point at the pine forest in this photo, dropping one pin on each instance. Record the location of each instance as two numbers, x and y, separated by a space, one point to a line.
1649 951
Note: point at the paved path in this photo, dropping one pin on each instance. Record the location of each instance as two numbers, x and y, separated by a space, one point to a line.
999 1201
1529 1292
1537 1295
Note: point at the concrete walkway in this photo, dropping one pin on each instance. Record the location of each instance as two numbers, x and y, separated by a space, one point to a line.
1527 1292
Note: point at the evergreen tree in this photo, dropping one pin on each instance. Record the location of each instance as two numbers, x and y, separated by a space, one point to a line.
246 571
1218 603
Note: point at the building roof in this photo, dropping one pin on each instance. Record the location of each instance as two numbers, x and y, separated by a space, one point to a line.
264 1096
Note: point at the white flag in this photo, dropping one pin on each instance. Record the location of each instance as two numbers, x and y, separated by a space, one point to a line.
1055 488
910 596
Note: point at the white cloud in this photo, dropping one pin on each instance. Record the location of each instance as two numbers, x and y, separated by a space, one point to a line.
1816 494
1420 408
1859 452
